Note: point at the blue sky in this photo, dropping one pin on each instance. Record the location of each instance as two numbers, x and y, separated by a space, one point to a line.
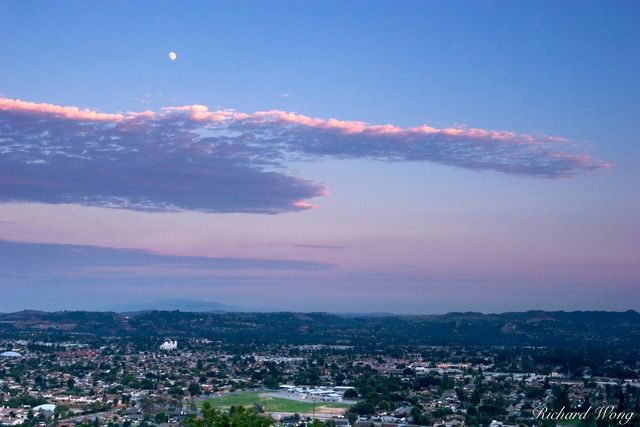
485 225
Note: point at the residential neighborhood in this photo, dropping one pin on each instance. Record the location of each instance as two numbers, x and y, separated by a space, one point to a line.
117 384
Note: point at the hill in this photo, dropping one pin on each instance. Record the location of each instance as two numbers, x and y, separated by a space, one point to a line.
532 328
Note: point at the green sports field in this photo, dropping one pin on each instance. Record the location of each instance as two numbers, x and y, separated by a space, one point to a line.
269 403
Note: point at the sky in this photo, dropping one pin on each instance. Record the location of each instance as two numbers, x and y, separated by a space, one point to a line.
406 157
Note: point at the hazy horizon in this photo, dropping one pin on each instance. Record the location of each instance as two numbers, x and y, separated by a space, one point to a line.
186 305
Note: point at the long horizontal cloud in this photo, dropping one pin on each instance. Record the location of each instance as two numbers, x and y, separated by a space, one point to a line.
190 158
18 259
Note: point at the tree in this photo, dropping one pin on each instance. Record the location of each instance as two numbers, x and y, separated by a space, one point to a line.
476 396
237 416
621 400
176 391
160 417
271 382
561 399
351 394
61 411
194 389
408 372
417 416
352 417
363 408
147 384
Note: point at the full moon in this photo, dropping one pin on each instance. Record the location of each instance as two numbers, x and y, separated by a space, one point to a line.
172 56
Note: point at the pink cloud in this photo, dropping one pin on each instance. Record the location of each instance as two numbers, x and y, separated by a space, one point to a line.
71 113
190 158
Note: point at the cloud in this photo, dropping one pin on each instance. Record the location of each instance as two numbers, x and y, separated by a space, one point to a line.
190 158
312 246
19 259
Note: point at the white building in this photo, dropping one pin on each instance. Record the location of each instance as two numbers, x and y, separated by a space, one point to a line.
169 345
47 407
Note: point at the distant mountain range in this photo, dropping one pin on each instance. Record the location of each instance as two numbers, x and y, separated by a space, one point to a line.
531 328
173 304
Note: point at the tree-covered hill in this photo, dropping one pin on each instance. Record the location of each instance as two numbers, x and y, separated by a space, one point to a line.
533 328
